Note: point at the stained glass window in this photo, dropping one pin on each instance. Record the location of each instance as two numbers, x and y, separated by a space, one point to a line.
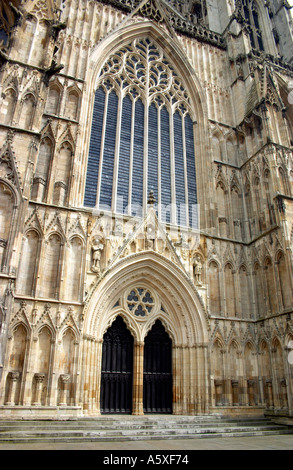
142 137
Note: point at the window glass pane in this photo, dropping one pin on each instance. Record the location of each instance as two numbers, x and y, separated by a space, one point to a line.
94 151
124 155
138 150
109 153
165 165
153 151
179 170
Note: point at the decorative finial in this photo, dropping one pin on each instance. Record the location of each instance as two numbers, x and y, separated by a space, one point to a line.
151 199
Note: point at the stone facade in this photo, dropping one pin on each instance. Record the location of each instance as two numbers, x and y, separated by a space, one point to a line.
221 290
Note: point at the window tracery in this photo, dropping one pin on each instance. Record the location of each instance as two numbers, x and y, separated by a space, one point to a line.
140 302
250 18
142 130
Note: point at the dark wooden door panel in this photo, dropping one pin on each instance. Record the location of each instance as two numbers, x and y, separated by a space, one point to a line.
117 369
157 377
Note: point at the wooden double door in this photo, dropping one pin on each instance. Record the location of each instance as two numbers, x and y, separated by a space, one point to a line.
117 370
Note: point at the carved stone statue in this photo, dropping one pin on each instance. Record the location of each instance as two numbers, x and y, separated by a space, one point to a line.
197 269
97 248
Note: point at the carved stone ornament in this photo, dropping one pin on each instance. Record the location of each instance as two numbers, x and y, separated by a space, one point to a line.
97 248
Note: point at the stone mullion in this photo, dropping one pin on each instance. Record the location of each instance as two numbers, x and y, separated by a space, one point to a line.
173 181
138 369
145 156
159 201
185 173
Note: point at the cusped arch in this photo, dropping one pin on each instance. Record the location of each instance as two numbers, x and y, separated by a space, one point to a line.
56 233
69 329
218 342
12 189
165 322
234 343
22 324
46 326
129 322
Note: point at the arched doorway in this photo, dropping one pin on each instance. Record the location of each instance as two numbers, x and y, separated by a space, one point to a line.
117 369
157 376
178 307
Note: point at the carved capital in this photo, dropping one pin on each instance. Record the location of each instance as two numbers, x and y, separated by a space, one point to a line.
65 378
39 377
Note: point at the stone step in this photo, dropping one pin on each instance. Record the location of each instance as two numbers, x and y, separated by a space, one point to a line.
129 432
131 426
109 438
136 428
133 421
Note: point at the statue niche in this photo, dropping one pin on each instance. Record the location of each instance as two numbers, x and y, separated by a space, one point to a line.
97 249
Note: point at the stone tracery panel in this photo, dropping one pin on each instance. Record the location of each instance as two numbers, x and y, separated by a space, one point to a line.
141 112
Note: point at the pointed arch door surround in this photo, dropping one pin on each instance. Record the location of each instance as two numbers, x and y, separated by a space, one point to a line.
119 356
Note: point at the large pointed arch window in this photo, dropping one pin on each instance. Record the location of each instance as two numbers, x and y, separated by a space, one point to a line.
142 137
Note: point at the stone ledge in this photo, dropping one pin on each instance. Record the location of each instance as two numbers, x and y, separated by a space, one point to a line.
41 412
238 411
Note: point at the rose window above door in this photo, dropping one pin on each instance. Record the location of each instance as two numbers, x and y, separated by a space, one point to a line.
140 302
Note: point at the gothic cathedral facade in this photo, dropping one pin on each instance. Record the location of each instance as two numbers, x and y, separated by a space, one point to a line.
146 207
